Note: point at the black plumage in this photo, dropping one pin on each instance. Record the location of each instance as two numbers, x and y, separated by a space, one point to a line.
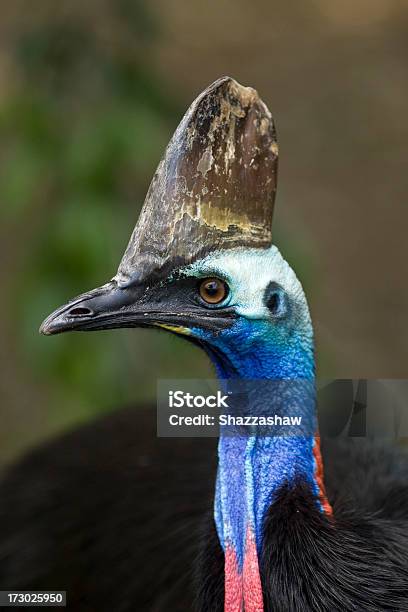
122 521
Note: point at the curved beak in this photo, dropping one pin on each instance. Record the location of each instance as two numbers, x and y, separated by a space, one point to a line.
136 305
106 307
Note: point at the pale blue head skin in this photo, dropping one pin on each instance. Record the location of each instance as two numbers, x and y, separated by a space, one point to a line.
259 345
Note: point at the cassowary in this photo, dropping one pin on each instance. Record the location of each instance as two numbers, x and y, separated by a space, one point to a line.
123 520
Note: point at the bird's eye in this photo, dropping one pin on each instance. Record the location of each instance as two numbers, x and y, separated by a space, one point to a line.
213 290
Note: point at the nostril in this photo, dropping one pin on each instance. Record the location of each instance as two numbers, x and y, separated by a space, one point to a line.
80 311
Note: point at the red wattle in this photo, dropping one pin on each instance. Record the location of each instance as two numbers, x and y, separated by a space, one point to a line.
233 582
243 590
252 587
319 476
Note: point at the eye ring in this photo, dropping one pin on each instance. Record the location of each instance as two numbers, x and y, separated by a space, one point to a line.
213 290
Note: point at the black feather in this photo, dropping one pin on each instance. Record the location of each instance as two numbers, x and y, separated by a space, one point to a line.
122 520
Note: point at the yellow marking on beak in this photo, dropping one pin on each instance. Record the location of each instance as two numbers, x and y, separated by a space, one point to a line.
178 329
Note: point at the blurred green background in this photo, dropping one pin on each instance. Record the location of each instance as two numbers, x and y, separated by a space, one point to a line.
90 93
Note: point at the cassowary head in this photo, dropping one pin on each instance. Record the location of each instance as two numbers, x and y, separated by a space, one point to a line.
200 261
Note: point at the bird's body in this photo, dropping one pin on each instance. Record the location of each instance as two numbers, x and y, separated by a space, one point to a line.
125 521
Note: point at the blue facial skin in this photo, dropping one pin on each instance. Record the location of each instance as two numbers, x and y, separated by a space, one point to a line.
252 468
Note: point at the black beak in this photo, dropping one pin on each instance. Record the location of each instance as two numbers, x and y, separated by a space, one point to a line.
106 307
112 306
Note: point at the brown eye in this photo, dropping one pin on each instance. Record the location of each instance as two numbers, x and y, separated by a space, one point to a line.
213 290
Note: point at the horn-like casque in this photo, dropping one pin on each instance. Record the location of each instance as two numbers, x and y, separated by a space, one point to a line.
213 189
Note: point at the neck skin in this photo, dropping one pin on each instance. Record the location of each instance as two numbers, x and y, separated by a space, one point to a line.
252 468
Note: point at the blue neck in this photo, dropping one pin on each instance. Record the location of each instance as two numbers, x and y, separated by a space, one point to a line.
255 351
252 469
